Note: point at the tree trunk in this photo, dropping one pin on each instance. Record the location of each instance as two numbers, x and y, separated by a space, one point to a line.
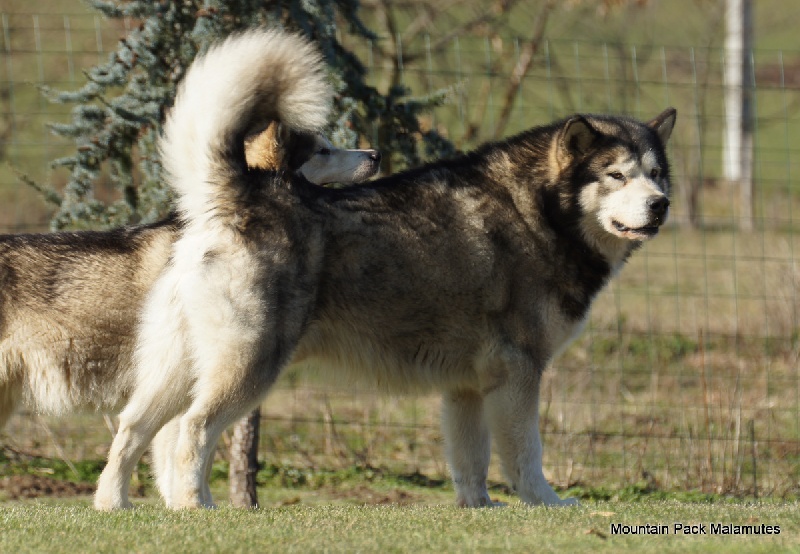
244 461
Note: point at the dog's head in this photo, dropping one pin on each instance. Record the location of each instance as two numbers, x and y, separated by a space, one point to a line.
623 173
310 155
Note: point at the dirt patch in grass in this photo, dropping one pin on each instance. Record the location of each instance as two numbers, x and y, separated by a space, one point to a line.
18 487
358 494
366 495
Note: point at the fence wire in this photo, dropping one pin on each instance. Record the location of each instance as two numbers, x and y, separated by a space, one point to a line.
687 374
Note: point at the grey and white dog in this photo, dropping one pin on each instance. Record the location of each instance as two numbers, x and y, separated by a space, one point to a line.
70 302
465 276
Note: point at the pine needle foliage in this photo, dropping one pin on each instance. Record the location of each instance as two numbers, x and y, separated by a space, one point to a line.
118 113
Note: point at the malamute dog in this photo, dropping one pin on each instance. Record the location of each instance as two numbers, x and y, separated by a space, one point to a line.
69 302
465 276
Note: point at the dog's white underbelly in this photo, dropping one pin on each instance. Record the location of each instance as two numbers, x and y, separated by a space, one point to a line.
62 376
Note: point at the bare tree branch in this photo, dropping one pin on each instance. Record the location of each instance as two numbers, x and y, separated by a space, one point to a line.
523 66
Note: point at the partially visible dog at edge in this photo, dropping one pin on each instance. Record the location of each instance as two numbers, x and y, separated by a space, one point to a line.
465 276
70 301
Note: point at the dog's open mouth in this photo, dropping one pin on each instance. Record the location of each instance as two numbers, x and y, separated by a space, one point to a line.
646 232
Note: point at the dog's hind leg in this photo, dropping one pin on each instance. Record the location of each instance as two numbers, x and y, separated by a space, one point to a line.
200 429
9 397
231 380
238 349
205 488
131 440
147 412
467 445
163 450
163 385
513 414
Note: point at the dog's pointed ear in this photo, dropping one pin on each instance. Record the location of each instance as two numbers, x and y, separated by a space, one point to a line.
266 149
576 138
663 124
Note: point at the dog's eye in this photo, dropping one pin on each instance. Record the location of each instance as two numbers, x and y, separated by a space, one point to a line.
324 152
617 175
654 173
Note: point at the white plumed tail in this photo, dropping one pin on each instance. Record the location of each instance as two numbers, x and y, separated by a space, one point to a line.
244 82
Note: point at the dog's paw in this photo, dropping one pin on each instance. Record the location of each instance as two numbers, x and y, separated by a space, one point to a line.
477 500
103 504
549 499
192 502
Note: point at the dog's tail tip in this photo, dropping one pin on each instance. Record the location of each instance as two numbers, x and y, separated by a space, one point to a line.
263 73
287 74
243 83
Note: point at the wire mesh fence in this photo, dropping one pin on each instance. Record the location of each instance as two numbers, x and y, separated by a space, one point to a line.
687 374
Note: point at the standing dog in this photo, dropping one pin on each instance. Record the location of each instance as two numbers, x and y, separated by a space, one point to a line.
70 302
465 276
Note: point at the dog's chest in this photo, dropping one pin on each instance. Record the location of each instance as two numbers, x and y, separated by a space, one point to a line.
562 329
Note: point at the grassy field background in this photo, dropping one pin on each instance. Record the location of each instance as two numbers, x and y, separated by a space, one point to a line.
370 510
680 402
348 528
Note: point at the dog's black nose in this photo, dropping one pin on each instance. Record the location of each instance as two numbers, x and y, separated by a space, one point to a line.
375 155
658 205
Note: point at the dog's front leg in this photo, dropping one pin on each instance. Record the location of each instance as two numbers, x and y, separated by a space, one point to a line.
513 414
467 445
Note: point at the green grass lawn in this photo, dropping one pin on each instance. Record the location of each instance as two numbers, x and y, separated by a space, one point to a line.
369 510
70 526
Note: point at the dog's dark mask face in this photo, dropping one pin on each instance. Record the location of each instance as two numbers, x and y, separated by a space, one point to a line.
300 148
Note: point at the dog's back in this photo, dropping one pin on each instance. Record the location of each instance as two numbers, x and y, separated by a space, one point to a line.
68 310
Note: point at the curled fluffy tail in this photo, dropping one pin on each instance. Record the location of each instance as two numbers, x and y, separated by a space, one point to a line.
241 84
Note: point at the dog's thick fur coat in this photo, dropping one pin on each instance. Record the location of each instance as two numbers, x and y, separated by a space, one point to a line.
465 276
70 302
